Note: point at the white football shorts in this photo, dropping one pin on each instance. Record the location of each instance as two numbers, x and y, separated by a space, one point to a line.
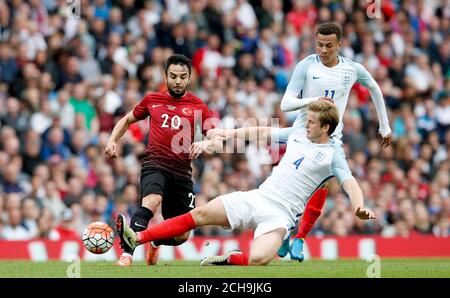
252 210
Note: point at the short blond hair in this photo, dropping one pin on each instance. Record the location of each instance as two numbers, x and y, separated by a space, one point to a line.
328 111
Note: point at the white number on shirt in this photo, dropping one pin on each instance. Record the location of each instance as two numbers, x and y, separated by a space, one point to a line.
175 121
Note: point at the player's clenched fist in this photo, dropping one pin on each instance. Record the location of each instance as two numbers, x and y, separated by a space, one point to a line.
363 213
111 150
385 141
198 147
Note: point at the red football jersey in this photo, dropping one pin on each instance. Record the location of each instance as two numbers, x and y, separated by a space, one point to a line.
173 122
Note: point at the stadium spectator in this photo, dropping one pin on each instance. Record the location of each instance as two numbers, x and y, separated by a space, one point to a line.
65 229
15 229
54 149
30 211
46 226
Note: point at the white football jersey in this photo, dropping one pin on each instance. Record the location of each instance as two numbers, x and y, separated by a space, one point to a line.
313 79
304 167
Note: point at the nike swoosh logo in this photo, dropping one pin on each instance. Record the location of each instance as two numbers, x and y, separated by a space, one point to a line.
136 224
315 78
155 106
295 140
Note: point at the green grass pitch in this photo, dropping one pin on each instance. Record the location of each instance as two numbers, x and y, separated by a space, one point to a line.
186 269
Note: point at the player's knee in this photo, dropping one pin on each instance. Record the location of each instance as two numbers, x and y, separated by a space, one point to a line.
152 202
200 215
259 259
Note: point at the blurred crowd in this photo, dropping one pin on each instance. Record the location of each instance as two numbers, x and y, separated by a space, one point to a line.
67 74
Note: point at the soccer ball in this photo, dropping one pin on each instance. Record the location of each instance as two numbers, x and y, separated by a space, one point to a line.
98 237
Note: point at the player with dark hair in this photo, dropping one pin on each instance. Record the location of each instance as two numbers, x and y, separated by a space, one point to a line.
166 172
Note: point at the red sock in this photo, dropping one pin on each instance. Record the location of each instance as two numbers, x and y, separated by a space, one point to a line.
167 229
312 212
238 259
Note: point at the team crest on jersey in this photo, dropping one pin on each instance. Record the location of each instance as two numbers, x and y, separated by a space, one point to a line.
187 111
171 108
346 79
319 156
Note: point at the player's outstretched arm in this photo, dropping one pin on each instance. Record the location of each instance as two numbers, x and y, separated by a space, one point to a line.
263 133
217 136
222 134
244 133
119 130
353 190
384 134
366 79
